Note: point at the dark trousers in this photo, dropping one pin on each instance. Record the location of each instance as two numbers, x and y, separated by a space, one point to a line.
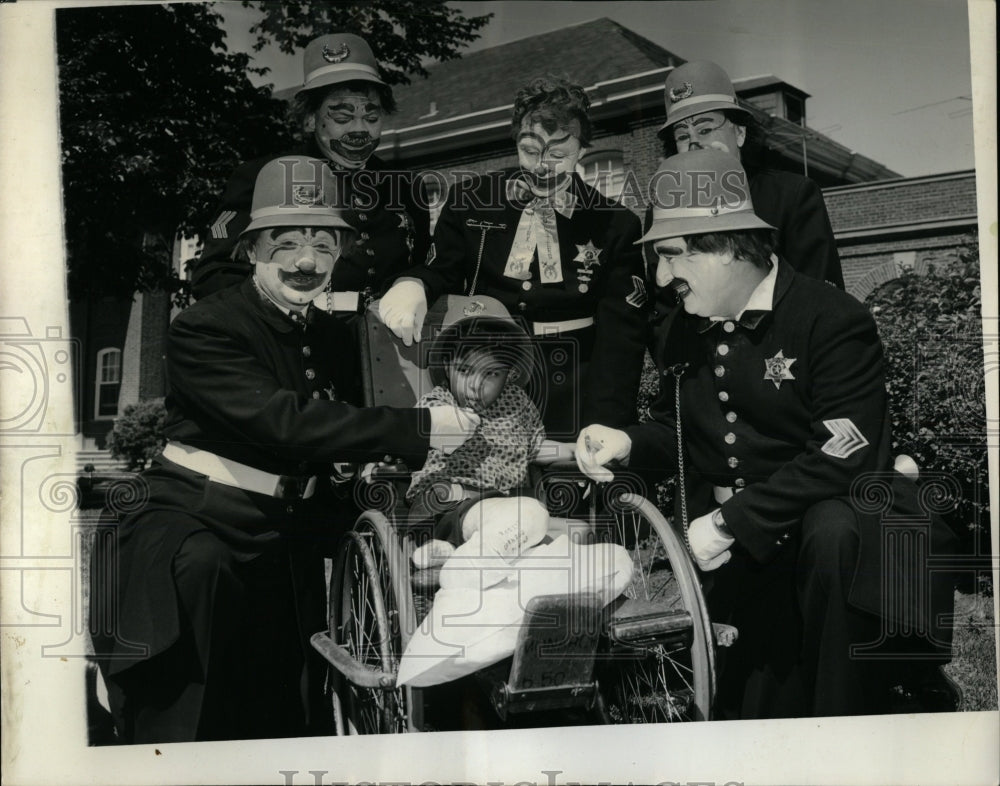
237 669
562 382
793 655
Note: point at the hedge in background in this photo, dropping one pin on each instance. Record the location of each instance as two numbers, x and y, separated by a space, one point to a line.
931 326
137 435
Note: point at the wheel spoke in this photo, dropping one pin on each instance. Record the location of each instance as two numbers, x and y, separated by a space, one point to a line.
370 626
659 685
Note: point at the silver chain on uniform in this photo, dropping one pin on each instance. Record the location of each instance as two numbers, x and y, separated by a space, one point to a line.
678 370
484 227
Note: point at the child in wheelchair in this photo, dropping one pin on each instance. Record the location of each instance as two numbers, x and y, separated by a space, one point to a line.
471 497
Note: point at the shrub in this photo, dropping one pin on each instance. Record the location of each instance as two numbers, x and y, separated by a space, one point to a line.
137 435
931 327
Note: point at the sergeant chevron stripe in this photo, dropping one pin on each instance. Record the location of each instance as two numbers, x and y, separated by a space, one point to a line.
219 227
846 439
638 296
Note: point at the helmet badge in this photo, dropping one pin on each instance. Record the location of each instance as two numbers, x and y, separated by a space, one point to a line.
680 93
336 55
306 195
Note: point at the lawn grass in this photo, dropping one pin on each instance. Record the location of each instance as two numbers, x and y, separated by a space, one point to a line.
974 661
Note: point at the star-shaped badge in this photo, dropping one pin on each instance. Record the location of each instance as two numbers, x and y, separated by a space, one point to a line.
776 369
588 255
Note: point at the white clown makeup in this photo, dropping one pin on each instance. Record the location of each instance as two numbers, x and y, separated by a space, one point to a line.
709 130
292 266
547 160
705 282
347 126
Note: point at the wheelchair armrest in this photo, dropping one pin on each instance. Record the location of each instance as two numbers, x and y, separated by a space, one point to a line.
393 469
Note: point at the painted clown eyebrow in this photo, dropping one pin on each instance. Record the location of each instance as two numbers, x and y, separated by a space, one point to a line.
532 135
668 250
345 106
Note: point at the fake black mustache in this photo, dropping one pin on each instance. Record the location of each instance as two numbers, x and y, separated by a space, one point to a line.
357 139
677 289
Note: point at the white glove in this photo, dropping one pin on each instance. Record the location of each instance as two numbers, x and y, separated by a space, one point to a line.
599 445
709 546
451 426
403 308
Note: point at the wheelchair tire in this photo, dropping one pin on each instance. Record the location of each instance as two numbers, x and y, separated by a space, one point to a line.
671 680
372 616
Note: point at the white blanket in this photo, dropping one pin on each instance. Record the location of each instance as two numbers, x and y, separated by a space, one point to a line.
469 628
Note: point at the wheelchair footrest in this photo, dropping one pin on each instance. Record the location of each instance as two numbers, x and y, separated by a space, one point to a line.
338 657
638 623
554 660
507 701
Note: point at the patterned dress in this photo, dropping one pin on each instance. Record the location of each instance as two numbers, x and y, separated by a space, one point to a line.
496 456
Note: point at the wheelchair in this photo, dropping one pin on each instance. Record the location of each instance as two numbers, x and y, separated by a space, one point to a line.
647 657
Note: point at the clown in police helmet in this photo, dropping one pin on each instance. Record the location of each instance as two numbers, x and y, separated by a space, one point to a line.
773 416
340 111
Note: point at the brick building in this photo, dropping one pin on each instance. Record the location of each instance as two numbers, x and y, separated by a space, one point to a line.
885 227
458 119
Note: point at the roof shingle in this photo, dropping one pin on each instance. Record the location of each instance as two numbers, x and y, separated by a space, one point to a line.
586 53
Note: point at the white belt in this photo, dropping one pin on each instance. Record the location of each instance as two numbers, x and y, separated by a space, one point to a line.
723 493
232 473
557 328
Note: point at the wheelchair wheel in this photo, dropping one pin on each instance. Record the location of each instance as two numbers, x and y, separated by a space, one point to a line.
372 617
659 666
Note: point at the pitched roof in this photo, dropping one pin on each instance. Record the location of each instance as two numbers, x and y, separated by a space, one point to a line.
588 53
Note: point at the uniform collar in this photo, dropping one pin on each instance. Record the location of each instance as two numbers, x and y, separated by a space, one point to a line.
762 300
274 315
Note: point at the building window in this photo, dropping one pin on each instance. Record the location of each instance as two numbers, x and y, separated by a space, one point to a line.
795 110
108 383
605 171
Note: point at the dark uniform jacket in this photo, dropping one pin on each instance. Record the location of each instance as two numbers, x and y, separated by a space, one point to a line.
248 383
788 407
794 205
472 242
386 207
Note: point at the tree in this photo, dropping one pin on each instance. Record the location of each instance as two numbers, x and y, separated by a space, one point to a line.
402 33
155 113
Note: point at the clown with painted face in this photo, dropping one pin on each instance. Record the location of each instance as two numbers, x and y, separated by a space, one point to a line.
704 113
555 252
772 415
340 111
218 570
293 252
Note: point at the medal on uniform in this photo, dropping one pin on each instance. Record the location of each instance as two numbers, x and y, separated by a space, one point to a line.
406 224
588 256
776 369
